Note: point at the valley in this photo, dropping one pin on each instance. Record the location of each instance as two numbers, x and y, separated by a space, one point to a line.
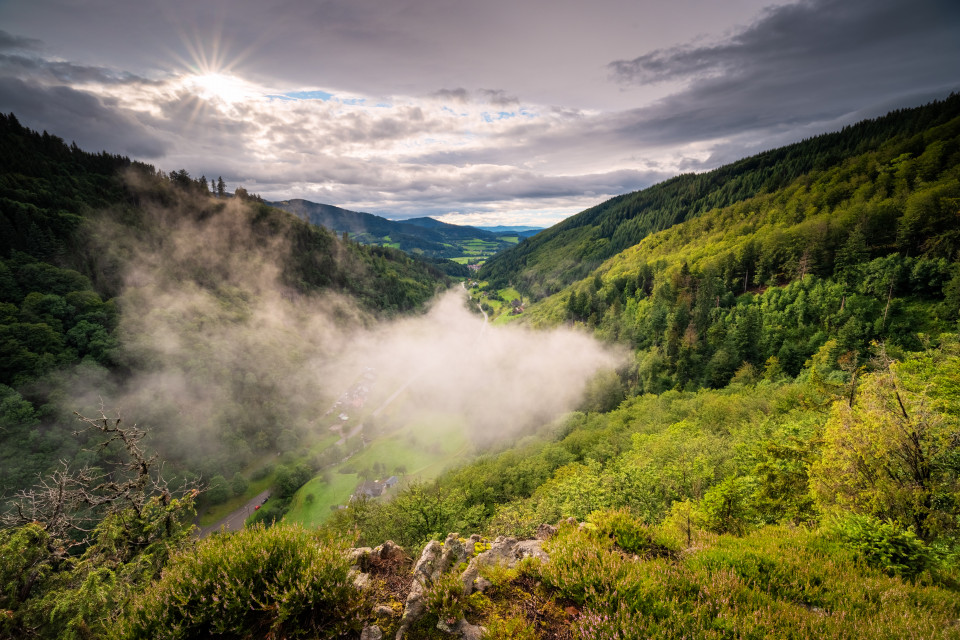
424 237
721 406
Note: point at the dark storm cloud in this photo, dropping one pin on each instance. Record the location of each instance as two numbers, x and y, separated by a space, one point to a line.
495 97
10 42
814 62
78 116
459 94
499 97
37 69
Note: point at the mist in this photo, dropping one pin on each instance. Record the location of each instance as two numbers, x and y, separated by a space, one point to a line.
224 363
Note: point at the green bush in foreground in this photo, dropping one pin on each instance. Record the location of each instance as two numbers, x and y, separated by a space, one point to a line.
776 582
285 581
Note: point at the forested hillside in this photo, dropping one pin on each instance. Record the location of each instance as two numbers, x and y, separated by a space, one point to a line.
863 252
566 252
778 457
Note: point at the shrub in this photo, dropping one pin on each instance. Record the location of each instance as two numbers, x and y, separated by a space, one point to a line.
509 628
885 545
620 624
218 491
283 582
580 566
445 598
624 530
725 507
262 472
239 484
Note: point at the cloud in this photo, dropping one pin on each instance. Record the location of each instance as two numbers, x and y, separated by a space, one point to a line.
796 39
78 116
432 107
217 349
459 95
799 66
40 70
10 42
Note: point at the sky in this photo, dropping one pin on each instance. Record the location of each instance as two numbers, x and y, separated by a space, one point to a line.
483 113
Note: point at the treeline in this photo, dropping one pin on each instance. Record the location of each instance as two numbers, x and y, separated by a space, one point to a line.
568 251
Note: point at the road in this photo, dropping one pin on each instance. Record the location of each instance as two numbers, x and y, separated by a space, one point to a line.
234 521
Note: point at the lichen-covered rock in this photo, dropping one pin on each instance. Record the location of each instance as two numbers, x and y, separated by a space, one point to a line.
530 549
509 551
427 561
389 551
360 580
371 633
422 578
456 550
358 557
545 531
461 629
469 577
437 559
364 558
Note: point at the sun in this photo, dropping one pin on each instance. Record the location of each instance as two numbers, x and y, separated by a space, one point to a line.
225 87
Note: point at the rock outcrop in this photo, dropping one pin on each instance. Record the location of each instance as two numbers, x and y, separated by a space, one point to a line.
437 559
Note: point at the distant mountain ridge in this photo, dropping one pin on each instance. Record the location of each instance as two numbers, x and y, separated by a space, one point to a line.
521 230
423 236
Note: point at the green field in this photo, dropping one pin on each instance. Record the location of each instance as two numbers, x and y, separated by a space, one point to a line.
313 512
421 450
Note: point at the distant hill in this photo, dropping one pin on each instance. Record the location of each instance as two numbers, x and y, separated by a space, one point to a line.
570 250
422 236
522 231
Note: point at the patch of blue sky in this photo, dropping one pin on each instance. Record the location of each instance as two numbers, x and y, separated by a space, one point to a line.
500 115
308 95
456 113
353 101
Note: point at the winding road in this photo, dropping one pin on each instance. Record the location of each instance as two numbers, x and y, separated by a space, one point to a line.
234 521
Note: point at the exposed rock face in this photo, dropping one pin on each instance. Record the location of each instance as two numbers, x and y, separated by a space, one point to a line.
365 558
360 580
462 629
438 559
422 573
504 551
371 633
